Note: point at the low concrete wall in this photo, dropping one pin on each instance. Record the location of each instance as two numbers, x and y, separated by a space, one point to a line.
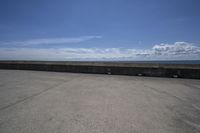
115 68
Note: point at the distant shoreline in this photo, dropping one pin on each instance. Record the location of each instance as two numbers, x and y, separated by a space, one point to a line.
117 61
165 62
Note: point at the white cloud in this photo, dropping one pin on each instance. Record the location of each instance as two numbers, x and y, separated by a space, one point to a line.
51 41
176 51
178 48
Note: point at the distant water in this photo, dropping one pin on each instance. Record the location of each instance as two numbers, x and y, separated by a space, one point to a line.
166 62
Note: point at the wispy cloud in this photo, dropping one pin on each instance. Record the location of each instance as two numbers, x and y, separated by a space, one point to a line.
178 50
51 41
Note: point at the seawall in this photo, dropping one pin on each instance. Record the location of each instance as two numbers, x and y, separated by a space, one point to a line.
114 68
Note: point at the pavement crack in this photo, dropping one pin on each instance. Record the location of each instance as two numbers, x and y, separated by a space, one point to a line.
166 93
32 96
178 98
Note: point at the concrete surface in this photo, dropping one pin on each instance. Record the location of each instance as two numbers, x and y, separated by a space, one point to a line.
52 102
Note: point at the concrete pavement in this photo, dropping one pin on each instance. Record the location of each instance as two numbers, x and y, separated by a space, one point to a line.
51 102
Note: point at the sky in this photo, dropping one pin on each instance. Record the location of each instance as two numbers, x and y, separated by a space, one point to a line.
99 30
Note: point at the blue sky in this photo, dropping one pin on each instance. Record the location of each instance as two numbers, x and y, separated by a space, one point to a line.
99 29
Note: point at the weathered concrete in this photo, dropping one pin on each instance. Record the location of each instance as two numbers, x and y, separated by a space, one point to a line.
51 102
115 68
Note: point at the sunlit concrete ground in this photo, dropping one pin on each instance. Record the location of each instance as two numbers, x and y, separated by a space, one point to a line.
51 102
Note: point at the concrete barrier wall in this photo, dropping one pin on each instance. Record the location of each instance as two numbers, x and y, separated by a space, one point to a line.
115 68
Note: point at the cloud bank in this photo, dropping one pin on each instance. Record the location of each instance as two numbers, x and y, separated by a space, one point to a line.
51 41
176 51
